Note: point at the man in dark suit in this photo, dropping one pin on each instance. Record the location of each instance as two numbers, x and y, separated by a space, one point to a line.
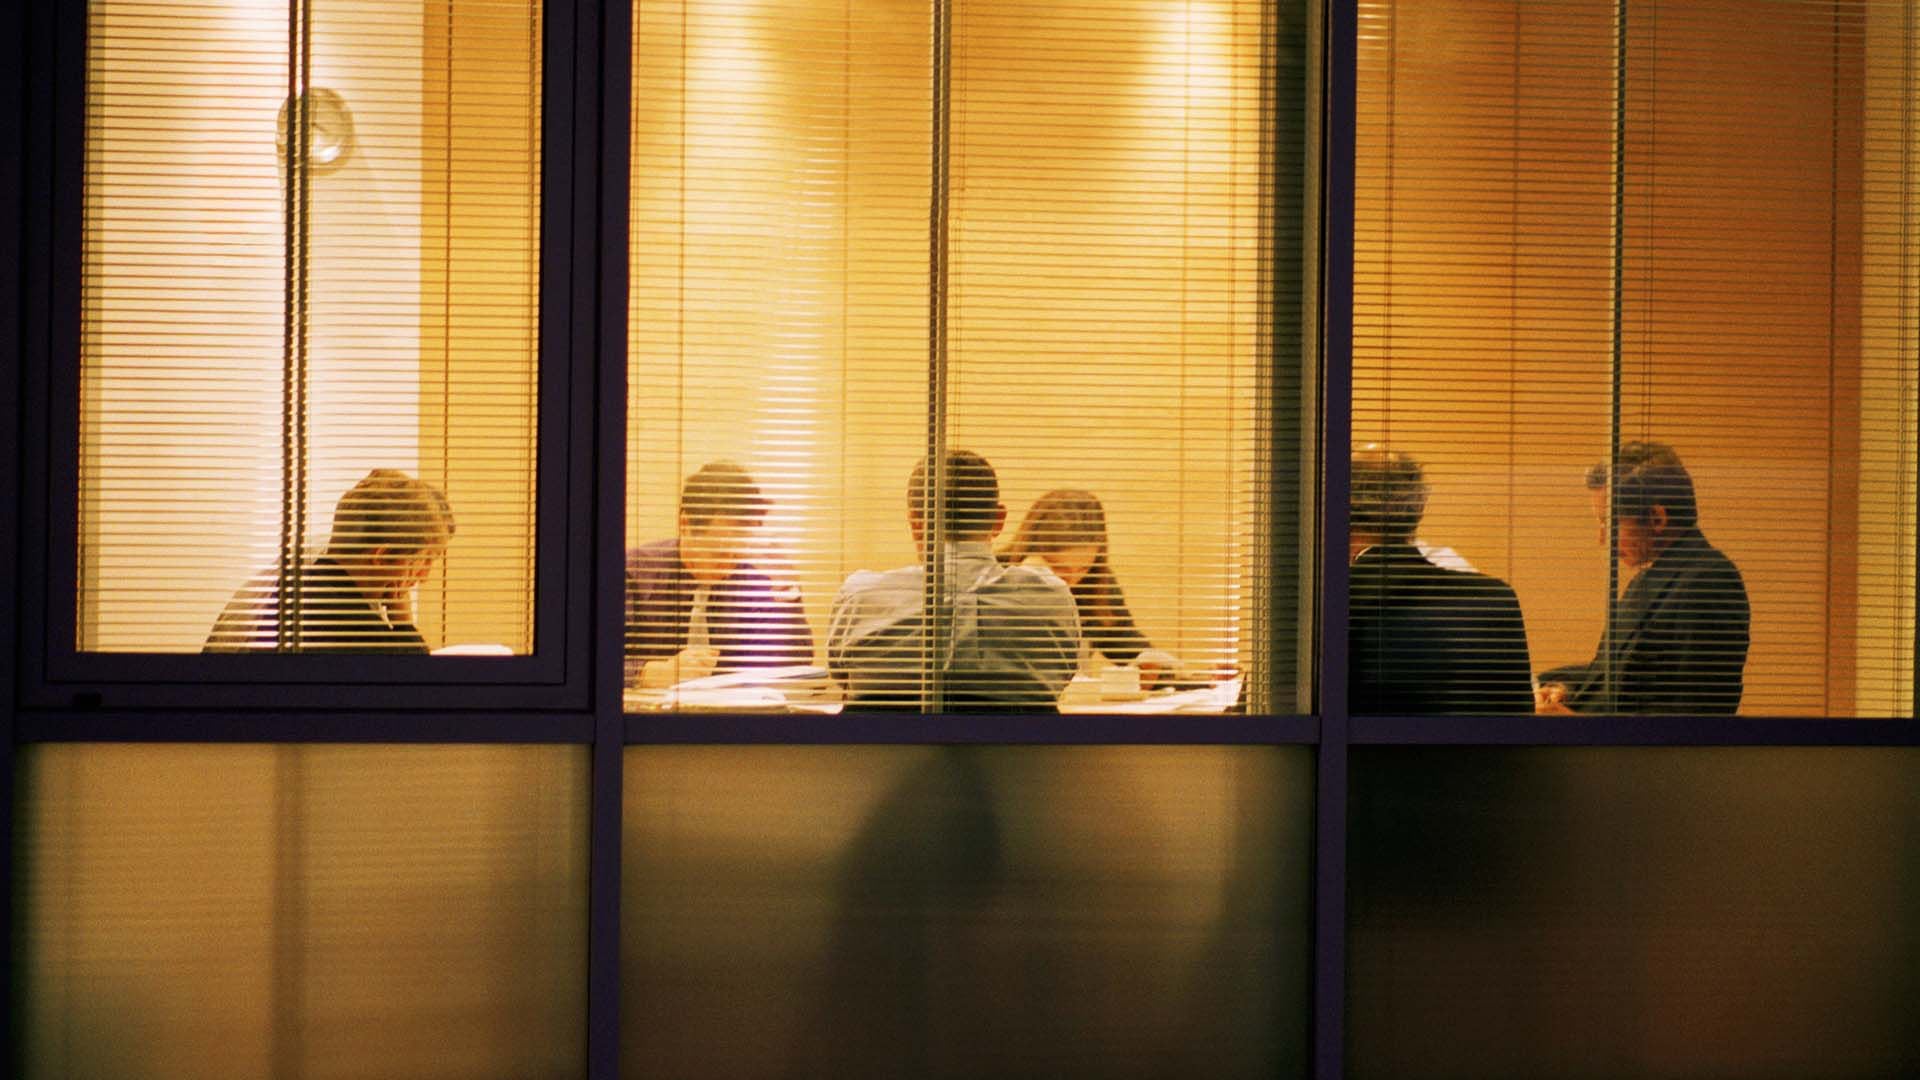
1422 639
1676 637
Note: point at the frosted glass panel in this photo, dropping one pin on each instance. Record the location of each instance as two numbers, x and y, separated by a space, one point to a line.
939 911
246 911
1647 912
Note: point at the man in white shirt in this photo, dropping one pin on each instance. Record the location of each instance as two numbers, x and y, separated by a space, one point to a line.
1001 639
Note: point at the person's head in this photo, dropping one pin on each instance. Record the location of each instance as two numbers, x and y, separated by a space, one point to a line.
970 510
1650 496
1067 529
720 506
389 529
1388 495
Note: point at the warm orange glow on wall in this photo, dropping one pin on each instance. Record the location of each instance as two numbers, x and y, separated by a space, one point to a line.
1485 289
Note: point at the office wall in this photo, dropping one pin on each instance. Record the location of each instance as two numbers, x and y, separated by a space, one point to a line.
479 151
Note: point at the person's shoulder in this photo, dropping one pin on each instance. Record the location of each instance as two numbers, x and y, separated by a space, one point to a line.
1697 557
862 582
654 559
1032 576
1484 583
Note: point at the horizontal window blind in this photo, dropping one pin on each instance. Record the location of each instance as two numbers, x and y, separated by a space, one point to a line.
311 233
1106 325
1670 240
864 233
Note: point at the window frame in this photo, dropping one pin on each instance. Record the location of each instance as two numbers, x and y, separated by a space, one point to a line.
55 672
570 691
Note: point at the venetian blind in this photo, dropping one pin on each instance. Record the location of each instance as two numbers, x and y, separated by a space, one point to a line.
867 231
1589 227
311 233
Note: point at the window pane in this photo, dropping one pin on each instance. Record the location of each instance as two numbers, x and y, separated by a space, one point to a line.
268 318
1633 912
1108 326
245 911
1074 281
1676 246
778 320
1114 911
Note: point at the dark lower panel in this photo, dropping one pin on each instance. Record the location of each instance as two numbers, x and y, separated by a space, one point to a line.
1588 912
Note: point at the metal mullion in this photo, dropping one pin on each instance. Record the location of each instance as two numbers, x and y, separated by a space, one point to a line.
270 727
605 97
905 728
1651 730
936 605
17 60
1340 56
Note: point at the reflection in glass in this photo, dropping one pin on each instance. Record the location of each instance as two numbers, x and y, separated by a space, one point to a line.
941 911
247 911
1633 912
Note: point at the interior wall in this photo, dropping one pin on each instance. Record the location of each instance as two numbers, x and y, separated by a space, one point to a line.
1889 368
181 327
1482 286
779 277
1740 271
1105 322
477 319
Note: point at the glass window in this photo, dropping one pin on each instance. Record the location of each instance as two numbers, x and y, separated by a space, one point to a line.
1633 338
954 376
965 911
246 911
307 382
1633 911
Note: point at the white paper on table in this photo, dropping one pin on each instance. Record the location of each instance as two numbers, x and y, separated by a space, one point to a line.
1217 698
473 649
794 688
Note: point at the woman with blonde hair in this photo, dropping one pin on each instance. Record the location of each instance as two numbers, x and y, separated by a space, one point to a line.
1066 531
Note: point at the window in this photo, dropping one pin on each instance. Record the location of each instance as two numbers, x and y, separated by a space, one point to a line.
1125 249
309 311
871 235
1597 235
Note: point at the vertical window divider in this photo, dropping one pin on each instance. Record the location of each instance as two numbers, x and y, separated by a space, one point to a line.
937 607
1618 315
605 95
1340 58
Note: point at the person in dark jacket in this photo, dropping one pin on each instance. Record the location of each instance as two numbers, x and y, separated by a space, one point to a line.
694 605
1422 639
1677 635
356 596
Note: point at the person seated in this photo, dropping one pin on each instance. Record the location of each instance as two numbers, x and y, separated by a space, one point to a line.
1004 638
1065 531
694 606
1423 639
1676 637
356 596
